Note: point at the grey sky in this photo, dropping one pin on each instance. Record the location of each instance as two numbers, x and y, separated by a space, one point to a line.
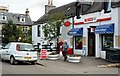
36 7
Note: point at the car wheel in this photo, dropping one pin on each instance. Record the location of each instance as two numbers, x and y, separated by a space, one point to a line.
2 60
13 61
33 62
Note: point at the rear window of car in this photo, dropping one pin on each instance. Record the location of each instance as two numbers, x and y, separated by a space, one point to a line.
25 47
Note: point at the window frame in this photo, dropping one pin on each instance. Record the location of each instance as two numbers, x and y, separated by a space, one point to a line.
81 37
103 35
38 30
22 19
3 17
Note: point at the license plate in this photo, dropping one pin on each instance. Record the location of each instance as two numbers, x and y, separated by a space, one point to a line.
27 57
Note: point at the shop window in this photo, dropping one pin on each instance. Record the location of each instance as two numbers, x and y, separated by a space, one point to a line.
78 42
107 41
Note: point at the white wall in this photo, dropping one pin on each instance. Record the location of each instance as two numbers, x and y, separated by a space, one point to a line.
64 32
85 31
40 39
35 37
115 19
119 21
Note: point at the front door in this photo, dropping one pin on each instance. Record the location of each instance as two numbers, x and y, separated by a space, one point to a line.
91 43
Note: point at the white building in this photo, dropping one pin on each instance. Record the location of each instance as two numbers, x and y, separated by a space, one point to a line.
37 31
100 30
96 30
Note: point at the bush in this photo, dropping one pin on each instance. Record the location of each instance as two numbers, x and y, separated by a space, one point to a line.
74 55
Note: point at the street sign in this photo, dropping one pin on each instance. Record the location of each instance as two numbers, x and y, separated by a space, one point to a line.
43 54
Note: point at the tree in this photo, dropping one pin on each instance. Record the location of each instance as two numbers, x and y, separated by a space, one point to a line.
52 28
29 36
12 33
9 32
25 38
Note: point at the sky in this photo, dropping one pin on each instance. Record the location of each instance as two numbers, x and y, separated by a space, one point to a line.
36 7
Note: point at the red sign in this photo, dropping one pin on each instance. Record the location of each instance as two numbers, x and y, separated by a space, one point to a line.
43 54
89 19
67 23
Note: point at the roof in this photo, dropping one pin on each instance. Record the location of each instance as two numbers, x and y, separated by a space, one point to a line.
15 17
115 4
69 10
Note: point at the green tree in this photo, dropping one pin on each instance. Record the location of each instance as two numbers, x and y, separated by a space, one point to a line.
25 38
29 37
9 32
12 33
52 28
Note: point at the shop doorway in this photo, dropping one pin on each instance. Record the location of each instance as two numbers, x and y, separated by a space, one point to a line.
91 43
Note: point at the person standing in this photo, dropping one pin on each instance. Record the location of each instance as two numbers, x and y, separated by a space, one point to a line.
60 46
64 49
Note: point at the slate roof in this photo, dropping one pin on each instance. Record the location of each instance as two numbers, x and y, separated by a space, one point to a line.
15 17
70 10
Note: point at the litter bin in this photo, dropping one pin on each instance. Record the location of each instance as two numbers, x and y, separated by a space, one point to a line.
113 55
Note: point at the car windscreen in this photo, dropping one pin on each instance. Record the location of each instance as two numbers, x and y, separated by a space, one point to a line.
25 47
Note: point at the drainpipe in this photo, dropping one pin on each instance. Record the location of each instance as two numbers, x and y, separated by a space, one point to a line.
73 28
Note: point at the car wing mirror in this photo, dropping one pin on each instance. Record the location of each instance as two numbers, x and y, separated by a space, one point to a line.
3 47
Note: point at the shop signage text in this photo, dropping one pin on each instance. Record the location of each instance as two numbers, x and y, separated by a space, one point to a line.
91 19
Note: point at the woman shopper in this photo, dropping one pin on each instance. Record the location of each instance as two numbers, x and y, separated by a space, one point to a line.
64 50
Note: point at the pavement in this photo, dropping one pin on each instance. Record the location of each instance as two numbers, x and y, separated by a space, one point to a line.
87 65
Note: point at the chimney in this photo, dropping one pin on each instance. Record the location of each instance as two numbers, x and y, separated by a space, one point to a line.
49 6
107 6
27 12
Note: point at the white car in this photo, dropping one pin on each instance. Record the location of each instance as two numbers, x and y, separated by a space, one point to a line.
16 51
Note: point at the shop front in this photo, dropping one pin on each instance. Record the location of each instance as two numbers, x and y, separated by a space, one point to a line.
104 38
77 34
91 42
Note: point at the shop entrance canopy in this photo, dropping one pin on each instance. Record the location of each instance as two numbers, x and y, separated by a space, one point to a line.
104 29
76 32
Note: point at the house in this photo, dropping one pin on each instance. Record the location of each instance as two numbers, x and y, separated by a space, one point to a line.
3 9
37 31
21 20
96 29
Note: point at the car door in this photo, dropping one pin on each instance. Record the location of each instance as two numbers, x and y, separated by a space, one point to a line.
5 52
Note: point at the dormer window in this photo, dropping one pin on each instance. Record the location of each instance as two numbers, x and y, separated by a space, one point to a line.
3 17
22 19
68 9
